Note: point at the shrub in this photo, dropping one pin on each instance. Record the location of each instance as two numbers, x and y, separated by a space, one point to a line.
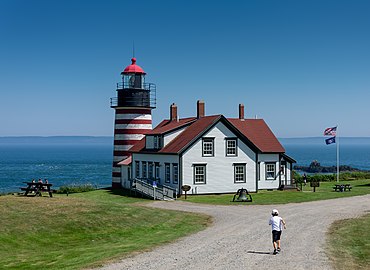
75 189
344 176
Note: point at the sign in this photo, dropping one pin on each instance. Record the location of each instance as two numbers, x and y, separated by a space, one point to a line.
186 187
314 184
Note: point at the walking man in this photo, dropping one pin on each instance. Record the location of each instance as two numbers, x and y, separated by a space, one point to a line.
276 223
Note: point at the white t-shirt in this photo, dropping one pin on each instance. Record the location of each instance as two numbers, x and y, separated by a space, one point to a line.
276 223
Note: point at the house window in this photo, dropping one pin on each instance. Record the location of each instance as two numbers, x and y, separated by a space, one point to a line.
199 174
137 169
167 173
156 171
270 171
157 142
208 147
143 169
239 173
150 170
175 173
231 147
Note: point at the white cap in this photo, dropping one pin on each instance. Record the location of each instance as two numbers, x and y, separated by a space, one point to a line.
275 212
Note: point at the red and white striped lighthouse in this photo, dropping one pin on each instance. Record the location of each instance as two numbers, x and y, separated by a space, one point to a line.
133 115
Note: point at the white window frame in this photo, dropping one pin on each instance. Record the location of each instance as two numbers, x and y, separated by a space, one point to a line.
157 142
167 173
240 173
234 148
175 173
144 170
137 169
150 170
200 174
270 170
208 148
156 170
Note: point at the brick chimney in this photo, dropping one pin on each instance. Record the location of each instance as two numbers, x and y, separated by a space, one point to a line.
200 109
173 112
241 111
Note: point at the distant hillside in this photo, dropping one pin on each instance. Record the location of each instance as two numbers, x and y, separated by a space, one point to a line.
321 140
57 140
315 167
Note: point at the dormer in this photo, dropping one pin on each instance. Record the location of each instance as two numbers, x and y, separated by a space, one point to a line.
154 141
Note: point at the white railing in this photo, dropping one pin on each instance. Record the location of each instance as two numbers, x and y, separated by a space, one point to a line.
156 192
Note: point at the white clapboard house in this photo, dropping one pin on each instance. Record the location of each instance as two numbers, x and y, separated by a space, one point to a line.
211 154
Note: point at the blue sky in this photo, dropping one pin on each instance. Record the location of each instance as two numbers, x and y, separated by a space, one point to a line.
302 66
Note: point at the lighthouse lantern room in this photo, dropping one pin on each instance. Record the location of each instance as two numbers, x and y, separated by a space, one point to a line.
133 118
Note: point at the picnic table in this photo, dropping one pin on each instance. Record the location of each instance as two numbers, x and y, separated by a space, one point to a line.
36 188
342 187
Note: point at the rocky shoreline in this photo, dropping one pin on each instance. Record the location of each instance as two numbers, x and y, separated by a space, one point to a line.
315 167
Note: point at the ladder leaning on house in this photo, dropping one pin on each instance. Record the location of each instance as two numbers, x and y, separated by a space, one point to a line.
160 192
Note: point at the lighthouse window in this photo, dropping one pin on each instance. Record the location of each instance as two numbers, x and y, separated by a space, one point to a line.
208 147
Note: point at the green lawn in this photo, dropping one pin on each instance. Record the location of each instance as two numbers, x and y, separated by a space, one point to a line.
349 243
86 229
324 192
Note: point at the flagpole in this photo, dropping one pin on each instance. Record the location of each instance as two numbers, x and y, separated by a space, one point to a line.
337 155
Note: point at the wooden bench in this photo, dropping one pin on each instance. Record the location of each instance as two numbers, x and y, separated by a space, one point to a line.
35 188
342 188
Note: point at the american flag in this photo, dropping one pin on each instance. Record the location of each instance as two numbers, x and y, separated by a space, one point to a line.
332 131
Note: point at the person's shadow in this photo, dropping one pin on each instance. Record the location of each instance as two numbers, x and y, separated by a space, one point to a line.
260 252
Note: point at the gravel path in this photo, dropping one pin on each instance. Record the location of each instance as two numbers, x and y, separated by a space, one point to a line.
240 237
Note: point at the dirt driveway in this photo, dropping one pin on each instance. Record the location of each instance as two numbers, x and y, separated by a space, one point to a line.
240 237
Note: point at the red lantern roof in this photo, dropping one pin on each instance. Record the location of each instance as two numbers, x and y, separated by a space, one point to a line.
133 68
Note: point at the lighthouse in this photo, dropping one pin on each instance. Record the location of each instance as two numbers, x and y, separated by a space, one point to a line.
133 116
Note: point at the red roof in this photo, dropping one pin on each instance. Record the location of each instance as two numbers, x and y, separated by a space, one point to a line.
133 68
252 131
257 131
167 125
189 134
126 161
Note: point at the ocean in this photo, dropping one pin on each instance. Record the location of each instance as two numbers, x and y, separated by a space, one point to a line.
353 151
88 160
61 160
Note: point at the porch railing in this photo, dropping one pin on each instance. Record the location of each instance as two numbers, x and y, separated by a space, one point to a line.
159 192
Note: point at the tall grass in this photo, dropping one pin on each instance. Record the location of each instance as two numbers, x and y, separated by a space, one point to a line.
75 189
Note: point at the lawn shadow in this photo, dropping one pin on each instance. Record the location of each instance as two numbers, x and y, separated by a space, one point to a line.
364 185
260 252
125 192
